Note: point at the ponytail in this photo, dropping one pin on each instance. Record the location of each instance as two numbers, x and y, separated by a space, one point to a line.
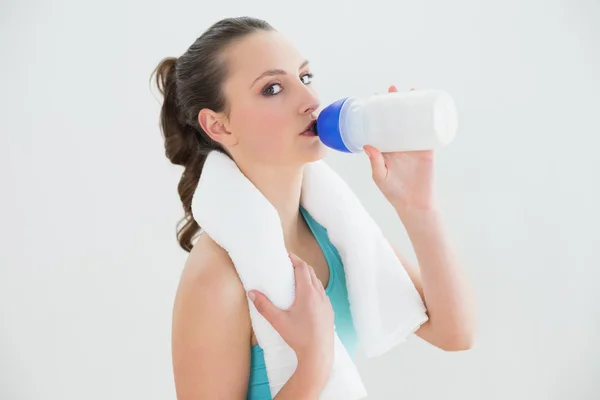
182 147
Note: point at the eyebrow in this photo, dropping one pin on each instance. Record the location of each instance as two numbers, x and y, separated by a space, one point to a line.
274 72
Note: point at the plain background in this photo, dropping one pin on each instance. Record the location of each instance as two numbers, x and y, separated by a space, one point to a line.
89 263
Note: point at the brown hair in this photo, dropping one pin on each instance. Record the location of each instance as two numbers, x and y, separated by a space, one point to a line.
189 84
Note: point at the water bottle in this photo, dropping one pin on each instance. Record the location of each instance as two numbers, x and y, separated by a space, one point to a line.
390 122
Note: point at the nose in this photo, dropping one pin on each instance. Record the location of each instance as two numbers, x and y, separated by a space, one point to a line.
310 101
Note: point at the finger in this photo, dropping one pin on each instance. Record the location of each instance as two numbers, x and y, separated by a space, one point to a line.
301 272
315 281
378 168
295 259
318 284
265 307
392 89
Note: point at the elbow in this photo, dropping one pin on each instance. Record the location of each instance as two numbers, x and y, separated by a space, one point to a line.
460 341
451 335
455 346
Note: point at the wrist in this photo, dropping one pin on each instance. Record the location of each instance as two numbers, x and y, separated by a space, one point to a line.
419 222
315 368
408 213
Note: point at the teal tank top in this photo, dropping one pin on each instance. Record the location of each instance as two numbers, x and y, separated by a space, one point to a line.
258 385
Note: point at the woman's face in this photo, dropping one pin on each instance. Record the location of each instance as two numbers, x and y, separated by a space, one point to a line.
271 102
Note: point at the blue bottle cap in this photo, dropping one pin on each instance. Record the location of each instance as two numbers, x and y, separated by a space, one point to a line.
328 126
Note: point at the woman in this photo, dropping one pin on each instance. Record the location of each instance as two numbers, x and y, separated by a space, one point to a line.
244 90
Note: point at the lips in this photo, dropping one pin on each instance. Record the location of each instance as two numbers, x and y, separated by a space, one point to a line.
309 128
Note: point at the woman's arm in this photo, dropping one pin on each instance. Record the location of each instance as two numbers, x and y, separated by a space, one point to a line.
211 328
441 282
407 180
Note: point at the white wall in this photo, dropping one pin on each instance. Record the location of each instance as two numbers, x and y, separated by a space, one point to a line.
89 264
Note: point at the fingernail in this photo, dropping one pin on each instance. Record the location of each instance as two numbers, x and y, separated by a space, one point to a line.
251 295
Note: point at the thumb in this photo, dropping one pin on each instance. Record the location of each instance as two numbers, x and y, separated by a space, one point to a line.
378 168
264 306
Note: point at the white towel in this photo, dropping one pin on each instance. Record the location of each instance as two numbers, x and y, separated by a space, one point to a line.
384 303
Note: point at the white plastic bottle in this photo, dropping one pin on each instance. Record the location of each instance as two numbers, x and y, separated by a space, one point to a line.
390 122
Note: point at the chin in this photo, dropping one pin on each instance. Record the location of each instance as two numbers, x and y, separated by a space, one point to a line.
315 152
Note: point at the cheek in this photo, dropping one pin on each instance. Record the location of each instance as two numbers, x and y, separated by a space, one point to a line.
264 132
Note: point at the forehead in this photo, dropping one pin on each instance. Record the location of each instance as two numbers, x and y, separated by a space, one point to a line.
259 52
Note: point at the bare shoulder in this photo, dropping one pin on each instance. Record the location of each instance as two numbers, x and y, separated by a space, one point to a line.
210 268
211 326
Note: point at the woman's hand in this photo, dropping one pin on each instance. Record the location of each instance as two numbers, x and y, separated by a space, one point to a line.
406 179
307 326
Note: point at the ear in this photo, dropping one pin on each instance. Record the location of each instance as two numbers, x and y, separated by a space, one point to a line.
214 125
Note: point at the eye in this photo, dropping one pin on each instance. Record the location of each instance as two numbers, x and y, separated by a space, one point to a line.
307 78
276 88
273 89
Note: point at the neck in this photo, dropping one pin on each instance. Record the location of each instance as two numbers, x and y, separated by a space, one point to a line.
282 187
